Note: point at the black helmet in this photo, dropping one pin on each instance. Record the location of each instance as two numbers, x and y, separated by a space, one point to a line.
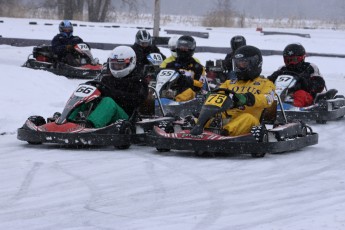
247 62
185 47
66 28
143 38
294 55
236 42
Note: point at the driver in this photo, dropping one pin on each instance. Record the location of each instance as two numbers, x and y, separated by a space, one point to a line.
309 80
144 46
253 93
194 78
123 90
62 44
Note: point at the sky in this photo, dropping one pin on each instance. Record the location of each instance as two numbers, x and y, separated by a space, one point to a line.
51 187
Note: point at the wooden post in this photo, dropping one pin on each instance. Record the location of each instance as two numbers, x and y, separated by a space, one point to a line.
156 19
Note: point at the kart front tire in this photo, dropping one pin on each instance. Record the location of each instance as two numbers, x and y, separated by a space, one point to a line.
321 121
123 127
162 150
261 135
304 132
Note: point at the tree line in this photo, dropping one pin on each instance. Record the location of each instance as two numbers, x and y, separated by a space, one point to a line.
96 10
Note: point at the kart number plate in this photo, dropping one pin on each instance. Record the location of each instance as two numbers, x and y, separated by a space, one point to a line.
83 46
216 100
84 90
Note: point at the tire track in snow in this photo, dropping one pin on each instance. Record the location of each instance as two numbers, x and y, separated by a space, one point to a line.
24 187
215 198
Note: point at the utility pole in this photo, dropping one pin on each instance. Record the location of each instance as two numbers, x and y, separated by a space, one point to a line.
156 19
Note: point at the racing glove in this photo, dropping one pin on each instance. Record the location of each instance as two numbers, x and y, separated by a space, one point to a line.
242 99
69 47
301 83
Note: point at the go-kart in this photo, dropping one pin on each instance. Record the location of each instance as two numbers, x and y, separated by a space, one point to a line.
87 67
270 136
166 91
327 105
60 130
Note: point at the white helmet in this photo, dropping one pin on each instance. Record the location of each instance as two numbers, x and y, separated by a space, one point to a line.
172 45
122 61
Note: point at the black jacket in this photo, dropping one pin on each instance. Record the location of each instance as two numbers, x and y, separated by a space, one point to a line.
141 54
183 82
304 73
227 62
60 42
128 92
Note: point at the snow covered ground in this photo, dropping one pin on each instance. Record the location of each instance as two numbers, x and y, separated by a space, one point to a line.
51 187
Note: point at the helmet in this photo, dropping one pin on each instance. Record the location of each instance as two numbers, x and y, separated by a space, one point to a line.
143 38
247 62
294 55
122 60
172 45
66 28
236 42
185 47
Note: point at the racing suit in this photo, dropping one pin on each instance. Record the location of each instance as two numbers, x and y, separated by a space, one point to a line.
240 120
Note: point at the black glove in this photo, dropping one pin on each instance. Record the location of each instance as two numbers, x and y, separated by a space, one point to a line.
316 84
183 83
301 83
242 99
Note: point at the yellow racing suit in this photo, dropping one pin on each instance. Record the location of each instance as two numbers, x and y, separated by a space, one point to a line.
197 72
242 119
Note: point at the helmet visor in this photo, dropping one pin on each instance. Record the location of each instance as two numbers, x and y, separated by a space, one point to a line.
144 43
245 63
119 64
67 29
293 60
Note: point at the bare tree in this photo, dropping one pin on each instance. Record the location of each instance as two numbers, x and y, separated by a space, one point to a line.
222 15
98 10
9 8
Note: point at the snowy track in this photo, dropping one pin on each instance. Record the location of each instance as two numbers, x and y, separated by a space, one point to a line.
48 187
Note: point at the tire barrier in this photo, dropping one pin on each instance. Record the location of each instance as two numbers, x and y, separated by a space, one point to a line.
161 42
284 33
190 33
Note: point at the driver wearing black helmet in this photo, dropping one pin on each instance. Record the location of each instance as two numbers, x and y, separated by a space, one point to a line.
253 93
194 78
309 79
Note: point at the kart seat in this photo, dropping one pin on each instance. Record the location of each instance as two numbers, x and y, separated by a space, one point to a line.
148 107
43 53
325 95
269 115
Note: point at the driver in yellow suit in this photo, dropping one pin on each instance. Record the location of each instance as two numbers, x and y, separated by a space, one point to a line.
194 78
253 93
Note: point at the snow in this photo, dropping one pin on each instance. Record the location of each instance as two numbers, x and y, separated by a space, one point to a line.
51 187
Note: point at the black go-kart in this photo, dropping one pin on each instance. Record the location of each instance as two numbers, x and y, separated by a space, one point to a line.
85 67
